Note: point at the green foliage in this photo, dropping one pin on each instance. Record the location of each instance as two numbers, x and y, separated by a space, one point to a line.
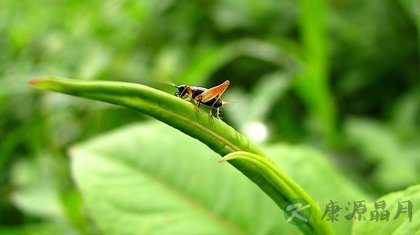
400 224
312 84
366 135
175 189
220 137
341 77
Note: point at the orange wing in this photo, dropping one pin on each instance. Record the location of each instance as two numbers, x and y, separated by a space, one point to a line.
213 92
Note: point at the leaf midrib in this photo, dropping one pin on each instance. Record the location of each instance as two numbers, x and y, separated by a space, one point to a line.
197 125
193 203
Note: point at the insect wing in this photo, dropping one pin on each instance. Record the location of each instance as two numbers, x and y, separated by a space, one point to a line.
213 92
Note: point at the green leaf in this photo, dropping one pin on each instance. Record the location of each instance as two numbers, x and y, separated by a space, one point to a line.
36 190
207 62
220 137
312 84
269 171
49 228
379 144
400 225
319 178
151 178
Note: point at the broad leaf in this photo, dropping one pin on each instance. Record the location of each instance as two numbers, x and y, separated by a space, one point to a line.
149 178
399 225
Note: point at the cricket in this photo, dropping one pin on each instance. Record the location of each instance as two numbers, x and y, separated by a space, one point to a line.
210 97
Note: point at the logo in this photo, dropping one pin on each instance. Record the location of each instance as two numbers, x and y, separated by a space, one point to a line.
297 211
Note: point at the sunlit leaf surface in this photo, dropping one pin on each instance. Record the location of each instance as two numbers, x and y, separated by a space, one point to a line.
153 179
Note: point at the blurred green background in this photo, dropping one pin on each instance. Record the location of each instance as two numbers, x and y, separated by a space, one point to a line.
340 76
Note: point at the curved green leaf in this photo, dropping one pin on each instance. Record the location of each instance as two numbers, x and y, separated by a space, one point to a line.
175 112
319 177
282 185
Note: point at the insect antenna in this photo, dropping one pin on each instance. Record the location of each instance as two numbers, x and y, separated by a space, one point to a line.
229 102
166 81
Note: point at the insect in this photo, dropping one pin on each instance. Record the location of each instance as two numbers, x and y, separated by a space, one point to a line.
206 96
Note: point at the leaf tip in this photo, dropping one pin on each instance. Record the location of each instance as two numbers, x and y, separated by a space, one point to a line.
222 160
34 81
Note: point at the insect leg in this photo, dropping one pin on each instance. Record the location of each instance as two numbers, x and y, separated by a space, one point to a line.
218 113
211 115
197 101
189 91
